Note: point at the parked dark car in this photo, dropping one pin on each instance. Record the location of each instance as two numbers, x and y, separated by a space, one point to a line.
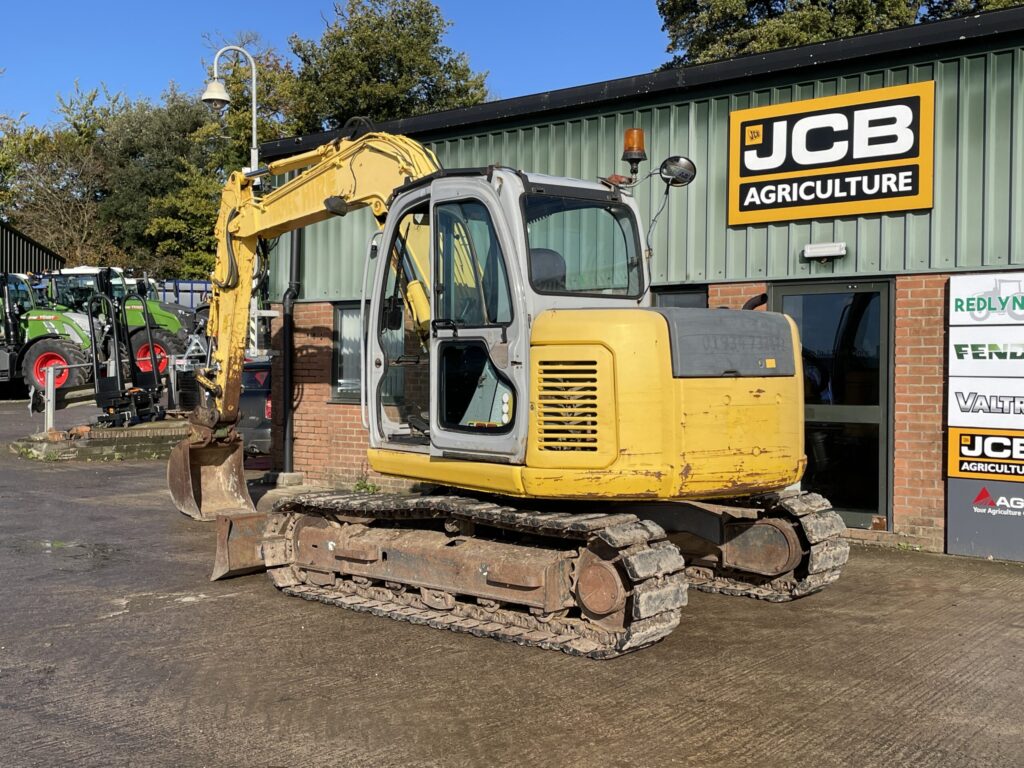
255 423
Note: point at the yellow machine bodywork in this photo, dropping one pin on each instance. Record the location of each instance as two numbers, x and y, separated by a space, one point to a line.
636 432
571 392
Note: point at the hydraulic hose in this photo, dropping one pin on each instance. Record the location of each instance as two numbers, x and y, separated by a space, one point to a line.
756 301
232 279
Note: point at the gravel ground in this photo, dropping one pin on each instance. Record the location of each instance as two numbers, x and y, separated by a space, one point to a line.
115 650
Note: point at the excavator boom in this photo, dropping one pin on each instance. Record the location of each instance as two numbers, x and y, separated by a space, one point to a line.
205 473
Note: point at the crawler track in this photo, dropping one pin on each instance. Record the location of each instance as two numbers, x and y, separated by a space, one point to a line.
651 568
819 527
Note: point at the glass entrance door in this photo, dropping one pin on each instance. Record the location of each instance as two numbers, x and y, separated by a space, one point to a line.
844 329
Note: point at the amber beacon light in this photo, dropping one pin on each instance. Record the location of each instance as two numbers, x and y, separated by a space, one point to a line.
633 150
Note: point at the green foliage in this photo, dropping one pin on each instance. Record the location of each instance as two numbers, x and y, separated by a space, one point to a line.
384 59
142 149
709 30
182 225
53 194
363 484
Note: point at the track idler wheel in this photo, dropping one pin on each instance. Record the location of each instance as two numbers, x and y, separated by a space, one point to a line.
600 590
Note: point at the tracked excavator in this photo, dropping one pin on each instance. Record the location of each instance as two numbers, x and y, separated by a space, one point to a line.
593 455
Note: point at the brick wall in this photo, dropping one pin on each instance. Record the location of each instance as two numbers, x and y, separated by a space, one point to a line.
919 506
733 295
330 442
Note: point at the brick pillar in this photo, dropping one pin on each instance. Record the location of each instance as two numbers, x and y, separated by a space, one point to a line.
919 503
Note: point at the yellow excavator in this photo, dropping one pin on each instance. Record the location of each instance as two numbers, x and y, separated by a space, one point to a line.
593 455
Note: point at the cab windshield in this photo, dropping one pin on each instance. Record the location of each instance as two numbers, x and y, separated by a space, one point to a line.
582 246
20 292
75 290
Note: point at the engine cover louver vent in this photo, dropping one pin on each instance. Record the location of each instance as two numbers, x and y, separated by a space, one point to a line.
568 404
572 407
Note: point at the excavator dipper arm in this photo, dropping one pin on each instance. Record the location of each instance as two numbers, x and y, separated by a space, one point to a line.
204 473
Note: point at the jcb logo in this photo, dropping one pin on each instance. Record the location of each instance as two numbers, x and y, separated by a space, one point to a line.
841 136
991 447
840 155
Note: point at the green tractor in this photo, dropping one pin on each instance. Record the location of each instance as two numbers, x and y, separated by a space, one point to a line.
171 323
36 336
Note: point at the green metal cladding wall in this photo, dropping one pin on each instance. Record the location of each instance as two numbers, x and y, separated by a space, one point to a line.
977 221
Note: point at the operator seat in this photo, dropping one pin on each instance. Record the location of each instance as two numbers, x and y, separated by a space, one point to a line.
547 269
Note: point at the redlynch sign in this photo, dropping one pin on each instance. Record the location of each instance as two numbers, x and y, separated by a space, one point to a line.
847 155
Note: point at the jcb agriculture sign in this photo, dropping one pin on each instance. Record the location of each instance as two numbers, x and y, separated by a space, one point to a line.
988 454
847 155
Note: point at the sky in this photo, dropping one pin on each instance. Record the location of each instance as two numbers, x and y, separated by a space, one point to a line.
138 47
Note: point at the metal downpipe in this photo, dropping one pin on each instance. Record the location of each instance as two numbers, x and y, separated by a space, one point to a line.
288 350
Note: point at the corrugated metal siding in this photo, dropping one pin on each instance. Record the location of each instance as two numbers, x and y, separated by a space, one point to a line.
19 253
977 220
331 267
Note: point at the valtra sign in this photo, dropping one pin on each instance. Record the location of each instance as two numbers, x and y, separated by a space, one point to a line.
845 155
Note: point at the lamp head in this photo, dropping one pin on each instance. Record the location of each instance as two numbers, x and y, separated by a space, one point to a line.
216 95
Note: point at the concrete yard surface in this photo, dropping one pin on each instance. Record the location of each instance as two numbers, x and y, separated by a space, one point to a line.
115 650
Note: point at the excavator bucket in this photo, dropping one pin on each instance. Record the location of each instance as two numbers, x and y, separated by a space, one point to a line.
239 545
207 481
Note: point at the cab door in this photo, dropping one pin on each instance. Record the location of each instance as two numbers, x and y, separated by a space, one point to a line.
397 378
478 342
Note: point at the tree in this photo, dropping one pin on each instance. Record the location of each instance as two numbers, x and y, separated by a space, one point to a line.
710 30
182 225
58 202
142 150
384 59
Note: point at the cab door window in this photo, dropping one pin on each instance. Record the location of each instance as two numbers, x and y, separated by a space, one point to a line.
403 330
473 285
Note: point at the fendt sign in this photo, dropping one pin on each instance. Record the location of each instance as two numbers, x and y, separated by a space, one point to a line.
853 154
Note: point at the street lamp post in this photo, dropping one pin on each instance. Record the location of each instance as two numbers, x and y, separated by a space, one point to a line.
216 95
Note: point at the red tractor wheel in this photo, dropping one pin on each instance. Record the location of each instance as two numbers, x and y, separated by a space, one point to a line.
144 357
47 353
164 346
48 360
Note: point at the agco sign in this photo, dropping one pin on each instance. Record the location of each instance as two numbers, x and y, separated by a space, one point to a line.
1007 506
843 155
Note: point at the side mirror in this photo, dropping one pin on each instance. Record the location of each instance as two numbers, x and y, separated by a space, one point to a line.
141 287
677 171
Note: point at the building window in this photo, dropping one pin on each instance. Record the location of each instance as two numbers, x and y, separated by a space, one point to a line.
345 367
681 297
